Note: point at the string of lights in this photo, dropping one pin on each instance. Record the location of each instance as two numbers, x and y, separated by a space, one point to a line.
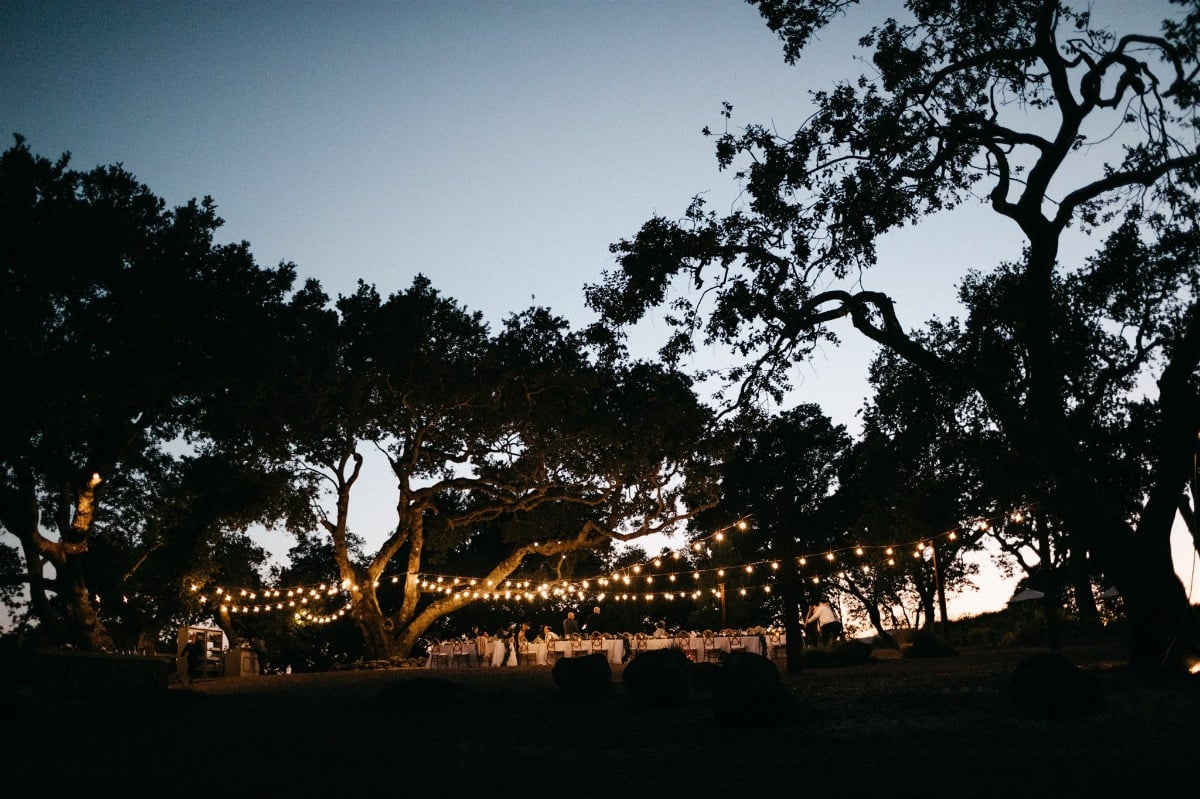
630 583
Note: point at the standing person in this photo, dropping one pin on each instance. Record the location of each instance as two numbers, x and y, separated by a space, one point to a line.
594 622
570 626
829 626
194 653
260 653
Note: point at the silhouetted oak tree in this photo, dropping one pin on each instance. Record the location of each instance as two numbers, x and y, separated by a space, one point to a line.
1017 102
526 428
127 336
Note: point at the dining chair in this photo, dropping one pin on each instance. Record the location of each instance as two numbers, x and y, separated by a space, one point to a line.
460 653
776 645
597 643
711 653
736 644
525 654
683 640
553 653
579 647
438 653
640 643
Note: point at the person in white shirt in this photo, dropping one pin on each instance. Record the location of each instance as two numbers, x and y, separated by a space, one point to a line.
829 626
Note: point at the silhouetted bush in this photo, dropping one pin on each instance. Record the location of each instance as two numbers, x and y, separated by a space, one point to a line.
749 692
705 675
927 644
659 678
1046 685
585 676
850 653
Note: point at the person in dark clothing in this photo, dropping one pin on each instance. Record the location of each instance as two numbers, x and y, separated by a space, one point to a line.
594 622
194 653
570 626
260 653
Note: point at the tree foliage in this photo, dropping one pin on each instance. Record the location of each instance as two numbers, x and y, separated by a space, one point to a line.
781 474
1056 126
129 336
506 448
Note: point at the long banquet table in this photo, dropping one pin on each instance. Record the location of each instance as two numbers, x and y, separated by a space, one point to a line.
695 643
614 648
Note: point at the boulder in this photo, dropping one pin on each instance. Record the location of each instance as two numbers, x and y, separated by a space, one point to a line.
585 676
1046 685
659 678
749 692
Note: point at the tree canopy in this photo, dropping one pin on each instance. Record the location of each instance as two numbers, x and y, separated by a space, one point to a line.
127 333
1054 125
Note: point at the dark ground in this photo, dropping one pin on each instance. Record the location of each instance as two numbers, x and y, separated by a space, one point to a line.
892 727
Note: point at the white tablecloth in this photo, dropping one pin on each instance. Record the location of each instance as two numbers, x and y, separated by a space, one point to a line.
695 644
613 649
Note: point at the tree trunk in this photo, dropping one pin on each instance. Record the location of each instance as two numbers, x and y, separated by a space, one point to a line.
790 589
87 628
380 641
939 579
1163 627
1081 586
1162 623
1051 590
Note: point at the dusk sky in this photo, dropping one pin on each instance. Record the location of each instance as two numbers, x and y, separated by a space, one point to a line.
496 147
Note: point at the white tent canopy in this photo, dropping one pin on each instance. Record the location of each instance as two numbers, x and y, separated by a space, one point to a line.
1026 595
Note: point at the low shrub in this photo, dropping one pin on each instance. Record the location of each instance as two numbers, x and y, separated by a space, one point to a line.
1046 685
749 692
659 678
927 644
580 677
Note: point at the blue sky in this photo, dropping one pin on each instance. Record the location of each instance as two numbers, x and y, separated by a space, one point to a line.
497 147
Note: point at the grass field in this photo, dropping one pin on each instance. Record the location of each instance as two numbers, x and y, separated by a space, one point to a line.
895 727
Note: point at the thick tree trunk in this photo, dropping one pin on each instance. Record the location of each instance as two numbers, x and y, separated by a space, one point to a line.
789 585
1051 589
1162 623
380 641
87 630
1163 629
